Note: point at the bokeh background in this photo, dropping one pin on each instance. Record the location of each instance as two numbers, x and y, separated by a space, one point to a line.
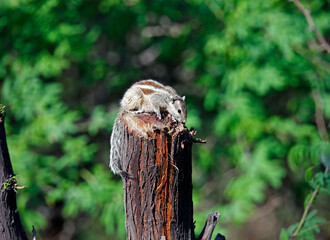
249 71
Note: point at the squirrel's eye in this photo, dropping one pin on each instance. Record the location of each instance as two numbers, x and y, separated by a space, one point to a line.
179 110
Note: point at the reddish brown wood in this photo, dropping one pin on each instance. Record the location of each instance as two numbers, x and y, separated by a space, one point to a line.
156 155
10 223
158 199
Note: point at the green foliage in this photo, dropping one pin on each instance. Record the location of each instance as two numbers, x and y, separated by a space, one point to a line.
307 155
247 68
310 227
321 180
309 223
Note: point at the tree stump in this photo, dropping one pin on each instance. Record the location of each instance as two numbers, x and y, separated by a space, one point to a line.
10 223
158 195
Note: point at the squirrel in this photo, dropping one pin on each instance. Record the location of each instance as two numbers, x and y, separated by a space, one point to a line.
146 96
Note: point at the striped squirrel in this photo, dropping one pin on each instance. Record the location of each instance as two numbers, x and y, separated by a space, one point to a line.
146 96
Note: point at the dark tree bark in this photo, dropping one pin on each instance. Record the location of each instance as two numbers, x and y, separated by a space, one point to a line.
10 223
158 193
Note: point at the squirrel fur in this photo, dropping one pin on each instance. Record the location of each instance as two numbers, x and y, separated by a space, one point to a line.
146 96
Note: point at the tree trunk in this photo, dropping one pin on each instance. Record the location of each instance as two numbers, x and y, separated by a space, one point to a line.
158 193
10 223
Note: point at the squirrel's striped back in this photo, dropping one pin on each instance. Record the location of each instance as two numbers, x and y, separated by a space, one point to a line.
149 87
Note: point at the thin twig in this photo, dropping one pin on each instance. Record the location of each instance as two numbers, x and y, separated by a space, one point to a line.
199 140
309 205
321 127
19 187
303 218
319 119
311 24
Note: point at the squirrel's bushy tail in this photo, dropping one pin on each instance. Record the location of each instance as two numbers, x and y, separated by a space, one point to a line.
115 145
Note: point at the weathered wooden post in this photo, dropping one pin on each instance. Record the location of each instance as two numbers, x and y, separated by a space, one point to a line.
158 195
10 223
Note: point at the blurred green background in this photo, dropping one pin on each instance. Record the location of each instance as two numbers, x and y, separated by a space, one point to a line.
247 69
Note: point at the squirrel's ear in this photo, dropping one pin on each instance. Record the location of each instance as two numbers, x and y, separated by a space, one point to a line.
183 98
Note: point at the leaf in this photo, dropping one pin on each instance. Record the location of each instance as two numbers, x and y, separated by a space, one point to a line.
292 228
319 180
311 215
284 235
308 174
310 226
307 198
